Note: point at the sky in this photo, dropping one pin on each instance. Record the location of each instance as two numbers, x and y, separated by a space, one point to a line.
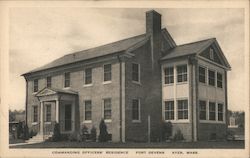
38 35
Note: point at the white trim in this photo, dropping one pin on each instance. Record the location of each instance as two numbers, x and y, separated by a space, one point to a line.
139 73
87 121
163 109
87 85
106 82
182 99
109 81
34 123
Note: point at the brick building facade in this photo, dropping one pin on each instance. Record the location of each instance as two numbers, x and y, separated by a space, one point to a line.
127 81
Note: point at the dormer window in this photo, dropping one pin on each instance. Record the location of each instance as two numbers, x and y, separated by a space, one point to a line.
211 54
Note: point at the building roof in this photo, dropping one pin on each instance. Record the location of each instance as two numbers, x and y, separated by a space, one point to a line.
103 50
188 49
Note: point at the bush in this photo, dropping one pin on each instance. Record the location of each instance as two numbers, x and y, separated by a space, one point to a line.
75 136
178 136
25 132
56 133
167 130
93 134
103 136
84 133
32 133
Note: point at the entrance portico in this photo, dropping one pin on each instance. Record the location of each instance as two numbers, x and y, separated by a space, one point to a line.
57 106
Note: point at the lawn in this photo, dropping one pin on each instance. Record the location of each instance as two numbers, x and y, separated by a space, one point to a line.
180 145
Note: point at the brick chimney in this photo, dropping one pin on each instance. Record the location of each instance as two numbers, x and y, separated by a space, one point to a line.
153 29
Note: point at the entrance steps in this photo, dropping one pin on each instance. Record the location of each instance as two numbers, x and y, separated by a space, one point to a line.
38 138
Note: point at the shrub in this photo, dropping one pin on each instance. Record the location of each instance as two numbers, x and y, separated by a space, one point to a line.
75 136
32 133
167 130
56 133
178 136
25 132
84 133
93 134
103 136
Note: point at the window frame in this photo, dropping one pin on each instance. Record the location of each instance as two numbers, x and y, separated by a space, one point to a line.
205 74
209 111
169 110
138 73
219 81
182 74
67 80
214 79
109 109
220 112
48 81
138 112
88 77
182 110
105 73
168 77
35 85
48 113
202 110
87 110
35 114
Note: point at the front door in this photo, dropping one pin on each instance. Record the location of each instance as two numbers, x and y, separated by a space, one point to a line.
67 120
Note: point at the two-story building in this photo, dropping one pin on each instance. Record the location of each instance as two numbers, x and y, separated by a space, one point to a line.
127 81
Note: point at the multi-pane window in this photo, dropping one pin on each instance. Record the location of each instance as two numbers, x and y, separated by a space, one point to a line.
35 86
48 113
169 75
88 76
169 110
49 81
202 74
88 112
182 109
219 80
211 111
107 109
67 79
35 113
135 109
220 112
203 112
211 77
107 72
136 72
182 73
211 54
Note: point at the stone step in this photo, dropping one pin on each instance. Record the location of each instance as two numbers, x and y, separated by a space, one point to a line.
38 138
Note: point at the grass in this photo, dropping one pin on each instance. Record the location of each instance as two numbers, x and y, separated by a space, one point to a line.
163 145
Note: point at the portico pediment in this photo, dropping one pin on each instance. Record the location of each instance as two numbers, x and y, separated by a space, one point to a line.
46 92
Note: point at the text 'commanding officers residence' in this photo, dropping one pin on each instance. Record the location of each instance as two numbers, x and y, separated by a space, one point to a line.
126 81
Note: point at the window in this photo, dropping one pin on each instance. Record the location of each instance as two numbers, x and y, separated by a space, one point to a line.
211 54
182 109
203 111
220 112
67 79
136 110
88 107
202 74
219 80
35 114
169 75
107 72
169 110
49 82
135 72
88 76
211 77
107 109
35 87
48 113
182 73
211 111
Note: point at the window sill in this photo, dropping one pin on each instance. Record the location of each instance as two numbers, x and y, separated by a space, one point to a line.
47 123
136 82
108 121
136 121
106 82
168 84
180 83
87 85
87 121
34 93
66 87
210 121
34 123
178 121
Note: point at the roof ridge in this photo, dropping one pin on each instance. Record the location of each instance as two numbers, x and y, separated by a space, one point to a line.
196 42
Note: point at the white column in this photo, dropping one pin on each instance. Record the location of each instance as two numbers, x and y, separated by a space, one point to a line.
41 118
57 110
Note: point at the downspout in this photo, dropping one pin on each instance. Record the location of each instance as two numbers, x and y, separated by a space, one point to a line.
120 95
